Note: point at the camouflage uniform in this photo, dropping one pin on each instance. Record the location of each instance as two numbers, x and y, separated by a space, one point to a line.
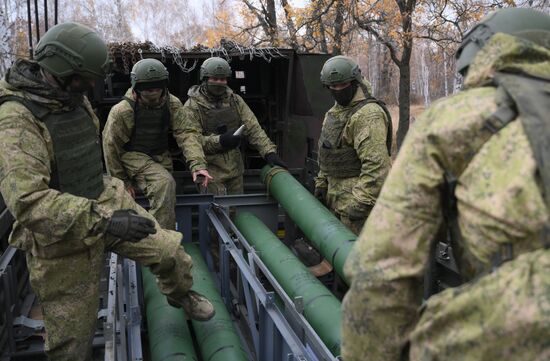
151 174
203 149
366 132
501 315
64 235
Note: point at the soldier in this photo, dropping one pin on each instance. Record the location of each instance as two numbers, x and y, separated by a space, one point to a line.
67 213
476 164
213 113
135 139
354 146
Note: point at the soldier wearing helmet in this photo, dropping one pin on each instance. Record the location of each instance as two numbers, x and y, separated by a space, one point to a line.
136 135
469 195
354 146
67 213
213 114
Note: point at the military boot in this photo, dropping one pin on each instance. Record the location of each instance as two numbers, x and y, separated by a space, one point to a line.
196 306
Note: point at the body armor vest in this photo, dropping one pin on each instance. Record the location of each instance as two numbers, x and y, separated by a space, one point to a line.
78 167
220 120
151 128
341 161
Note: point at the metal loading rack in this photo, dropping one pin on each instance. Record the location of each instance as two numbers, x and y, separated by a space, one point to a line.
260 320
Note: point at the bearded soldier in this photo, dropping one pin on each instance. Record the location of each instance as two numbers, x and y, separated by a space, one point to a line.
136 135
213 114
67 212
471 180
354 146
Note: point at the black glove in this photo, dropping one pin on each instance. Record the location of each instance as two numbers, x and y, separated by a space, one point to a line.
229 141
273 159
321 194
357 211
127 225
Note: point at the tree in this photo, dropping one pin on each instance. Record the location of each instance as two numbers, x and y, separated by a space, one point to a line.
391 23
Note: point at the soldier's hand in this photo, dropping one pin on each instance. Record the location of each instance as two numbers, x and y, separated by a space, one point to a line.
230 141
127 225
202 177
321 194
273 159
357 210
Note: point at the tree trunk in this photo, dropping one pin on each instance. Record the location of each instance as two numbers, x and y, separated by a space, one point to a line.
290 25
338 28
404 102
385 73
271 17
445 75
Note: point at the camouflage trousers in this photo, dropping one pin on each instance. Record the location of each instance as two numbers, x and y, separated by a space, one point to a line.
225 186
337 201
354 225
154 177
68 286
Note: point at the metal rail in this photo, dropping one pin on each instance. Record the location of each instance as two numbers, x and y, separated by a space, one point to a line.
296 334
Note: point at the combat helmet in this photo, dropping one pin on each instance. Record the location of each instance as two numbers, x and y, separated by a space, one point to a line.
521 22
71 48
150 71
215 67
340 69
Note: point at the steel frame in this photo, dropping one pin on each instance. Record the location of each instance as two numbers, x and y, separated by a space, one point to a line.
273 321
279 330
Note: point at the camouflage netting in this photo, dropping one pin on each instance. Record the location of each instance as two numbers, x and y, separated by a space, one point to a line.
128 53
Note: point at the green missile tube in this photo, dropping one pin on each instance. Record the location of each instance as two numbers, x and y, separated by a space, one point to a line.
328 235
321 308
217 338
169 336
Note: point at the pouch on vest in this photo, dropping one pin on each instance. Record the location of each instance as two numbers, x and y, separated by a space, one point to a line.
220 120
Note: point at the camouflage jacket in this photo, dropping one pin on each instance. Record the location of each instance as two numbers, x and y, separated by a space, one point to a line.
44 216
499 201
118 131
198 143
366 132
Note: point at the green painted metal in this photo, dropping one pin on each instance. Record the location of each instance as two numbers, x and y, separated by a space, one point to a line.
217 338
321 307
327 234
169 336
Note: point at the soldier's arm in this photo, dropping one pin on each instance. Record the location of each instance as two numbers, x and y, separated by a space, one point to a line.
368 130
188 134
24 178
387 266
253 131
115 135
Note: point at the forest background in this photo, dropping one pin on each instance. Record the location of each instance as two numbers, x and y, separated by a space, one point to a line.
405 48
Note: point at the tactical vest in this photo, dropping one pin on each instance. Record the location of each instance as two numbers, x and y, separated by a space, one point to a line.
517 94
220 120
338 160
78 167
151 129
